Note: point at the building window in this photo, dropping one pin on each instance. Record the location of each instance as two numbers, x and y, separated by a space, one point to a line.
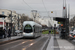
8 13
14 15
3 12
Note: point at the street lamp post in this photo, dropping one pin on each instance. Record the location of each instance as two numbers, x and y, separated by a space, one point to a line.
10 15
18 21
34 13
11 21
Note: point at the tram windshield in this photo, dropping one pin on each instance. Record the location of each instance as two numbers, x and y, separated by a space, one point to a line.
28 28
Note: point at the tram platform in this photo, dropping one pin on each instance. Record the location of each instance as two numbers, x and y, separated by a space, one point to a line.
57 43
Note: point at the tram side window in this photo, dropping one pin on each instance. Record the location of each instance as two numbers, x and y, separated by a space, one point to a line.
40 29
34 28
37 29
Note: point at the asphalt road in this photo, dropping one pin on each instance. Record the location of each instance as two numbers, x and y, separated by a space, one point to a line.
25 44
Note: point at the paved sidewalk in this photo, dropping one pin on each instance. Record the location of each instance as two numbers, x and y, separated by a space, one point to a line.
59 44
9 39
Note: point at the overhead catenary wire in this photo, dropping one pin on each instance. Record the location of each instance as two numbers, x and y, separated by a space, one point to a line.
44 5
13 9
46 9
27 4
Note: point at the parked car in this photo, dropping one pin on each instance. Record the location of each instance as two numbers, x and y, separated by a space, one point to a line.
71 35
18 32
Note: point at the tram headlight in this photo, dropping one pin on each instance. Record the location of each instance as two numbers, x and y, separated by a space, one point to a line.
31 33
23 33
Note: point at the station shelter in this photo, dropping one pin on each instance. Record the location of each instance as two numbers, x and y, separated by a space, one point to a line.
64 23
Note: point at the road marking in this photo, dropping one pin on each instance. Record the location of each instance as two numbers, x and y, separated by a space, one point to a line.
21 44
25 47
51 45
17 45
10 42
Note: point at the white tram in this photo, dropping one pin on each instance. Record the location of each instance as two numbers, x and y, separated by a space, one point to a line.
31 29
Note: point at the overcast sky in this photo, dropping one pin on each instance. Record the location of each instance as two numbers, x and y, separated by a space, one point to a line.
51 5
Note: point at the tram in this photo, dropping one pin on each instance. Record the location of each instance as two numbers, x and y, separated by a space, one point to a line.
31 29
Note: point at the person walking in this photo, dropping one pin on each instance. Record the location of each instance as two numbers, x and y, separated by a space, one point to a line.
49 31
4 33
1 32
63 31
9 33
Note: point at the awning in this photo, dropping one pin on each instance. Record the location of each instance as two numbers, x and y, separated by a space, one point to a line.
59 19
1 16
1 23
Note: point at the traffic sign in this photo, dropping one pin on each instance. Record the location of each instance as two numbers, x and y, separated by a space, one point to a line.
60 22
51 11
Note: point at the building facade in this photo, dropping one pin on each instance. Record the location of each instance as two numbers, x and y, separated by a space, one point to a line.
15 19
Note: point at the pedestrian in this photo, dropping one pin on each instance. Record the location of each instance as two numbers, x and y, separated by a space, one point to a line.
63 31
1 33
5 34
9 33
49 31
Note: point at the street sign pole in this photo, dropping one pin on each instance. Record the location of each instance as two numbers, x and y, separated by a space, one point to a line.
54 30
18 21
11 21
34 13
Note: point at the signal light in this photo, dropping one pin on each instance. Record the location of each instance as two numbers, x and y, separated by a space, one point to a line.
61 24
51 11
63 7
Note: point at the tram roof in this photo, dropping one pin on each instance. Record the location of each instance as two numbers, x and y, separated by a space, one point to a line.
31 23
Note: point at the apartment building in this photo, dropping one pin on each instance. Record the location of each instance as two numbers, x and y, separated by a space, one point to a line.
7 19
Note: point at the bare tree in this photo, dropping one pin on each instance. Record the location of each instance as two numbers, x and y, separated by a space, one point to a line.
24 18
30 19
